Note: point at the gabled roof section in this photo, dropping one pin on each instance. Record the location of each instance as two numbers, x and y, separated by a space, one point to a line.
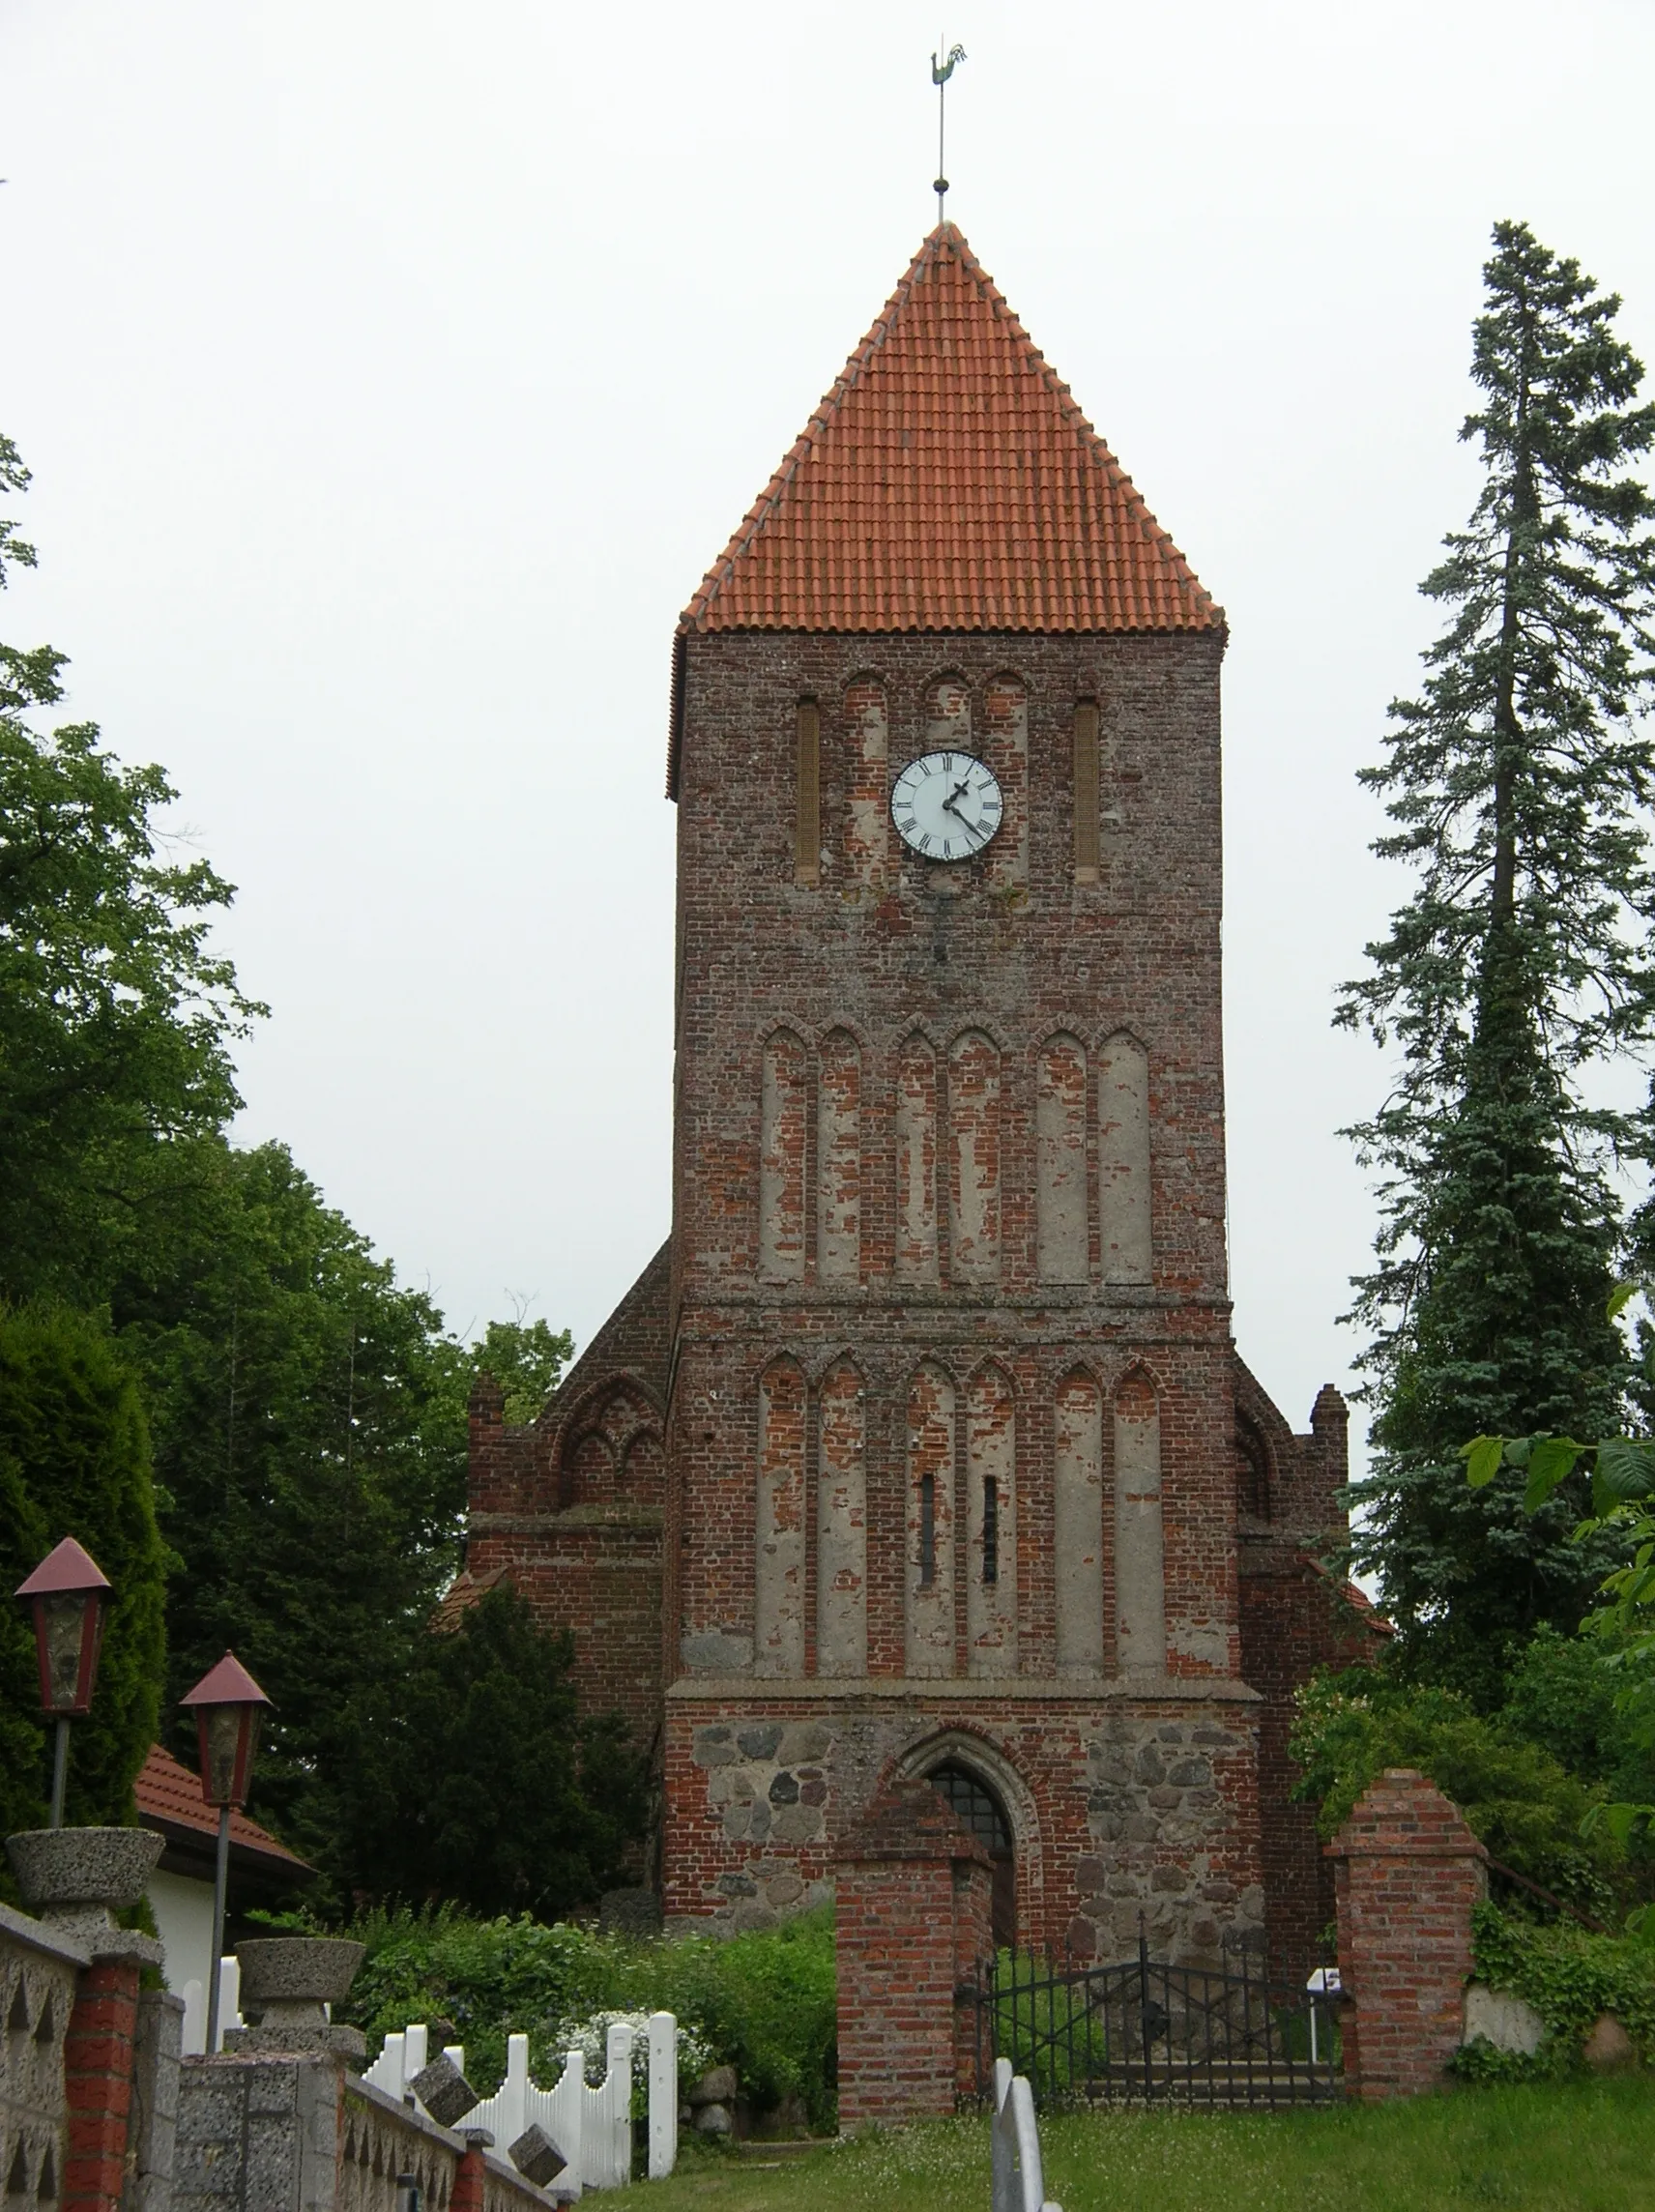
169 1798
948 482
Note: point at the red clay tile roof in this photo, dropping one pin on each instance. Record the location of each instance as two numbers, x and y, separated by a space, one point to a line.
169 1796
461 1594
948 482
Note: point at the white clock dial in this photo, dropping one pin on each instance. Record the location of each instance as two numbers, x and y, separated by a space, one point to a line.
947 806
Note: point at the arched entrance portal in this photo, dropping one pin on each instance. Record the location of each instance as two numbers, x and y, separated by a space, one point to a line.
975 1804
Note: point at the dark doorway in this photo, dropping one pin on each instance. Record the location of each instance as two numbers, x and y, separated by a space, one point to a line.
975 1804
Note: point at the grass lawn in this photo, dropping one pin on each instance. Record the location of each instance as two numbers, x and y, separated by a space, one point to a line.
1586 2147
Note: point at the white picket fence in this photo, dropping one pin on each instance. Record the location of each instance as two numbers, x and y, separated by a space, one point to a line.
1019 2184
195 2006
591 2127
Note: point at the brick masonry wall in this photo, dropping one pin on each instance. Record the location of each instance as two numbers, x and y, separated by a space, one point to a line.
1296 1616
98 2065
1009 946
570 1509
1408 1872
599 1576
912 1927
883 941
973 1949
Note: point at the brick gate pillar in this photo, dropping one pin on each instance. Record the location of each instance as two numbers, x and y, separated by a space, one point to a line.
915 1893
1406 1873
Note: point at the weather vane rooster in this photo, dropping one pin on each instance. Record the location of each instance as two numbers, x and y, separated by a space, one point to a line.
942 70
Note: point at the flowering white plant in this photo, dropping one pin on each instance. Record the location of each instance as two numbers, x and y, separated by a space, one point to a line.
590 2038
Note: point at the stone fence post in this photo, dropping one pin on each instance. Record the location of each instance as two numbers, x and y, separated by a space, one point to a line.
915 1892
77 1880
1406 1873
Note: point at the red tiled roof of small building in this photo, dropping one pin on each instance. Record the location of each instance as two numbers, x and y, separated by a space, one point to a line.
461 1594
169 1796
948 482
1367 1612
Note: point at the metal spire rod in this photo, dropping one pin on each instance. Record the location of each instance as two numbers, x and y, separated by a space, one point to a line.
941 72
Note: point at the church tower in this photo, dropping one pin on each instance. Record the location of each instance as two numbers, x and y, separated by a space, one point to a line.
923 1447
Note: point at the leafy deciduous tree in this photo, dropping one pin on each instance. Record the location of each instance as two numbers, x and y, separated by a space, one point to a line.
116 1016
307 1411
527 1359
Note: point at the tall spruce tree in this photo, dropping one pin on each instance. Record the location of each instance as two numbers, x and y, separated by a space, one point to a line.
1521 964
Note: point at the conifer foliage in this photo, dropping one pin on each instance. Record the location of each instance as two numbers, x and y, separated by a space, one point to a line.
1521 963
74 1461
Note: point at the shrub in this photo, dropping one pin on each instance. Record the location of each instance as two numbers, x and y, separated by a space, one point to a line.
488 1978
767 2002
590 2038
480 1781
763 2004
1516 1797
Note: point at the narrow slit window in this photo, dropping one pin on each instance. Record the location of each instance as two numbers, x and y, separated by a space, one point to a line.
927 1531
807 831
991 1529
1086 792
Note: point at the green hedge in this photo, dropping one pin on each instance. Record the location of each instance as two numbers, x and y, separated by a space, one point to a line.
765 2002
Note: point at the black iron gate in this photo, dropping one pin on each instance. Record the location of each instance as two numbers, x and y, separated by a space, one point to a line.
1147 2032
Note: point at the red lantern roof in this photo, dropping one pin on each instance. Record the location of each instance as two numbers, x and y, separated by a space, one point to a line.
66 1568
227 1684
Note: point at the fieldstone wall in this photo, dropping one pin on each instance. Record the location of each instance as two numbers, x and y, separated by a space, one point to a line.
1118 1808
1161 1799
767 1784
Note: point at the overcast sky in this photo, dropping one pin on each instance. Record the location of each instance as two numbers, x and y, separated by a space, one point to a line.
390 373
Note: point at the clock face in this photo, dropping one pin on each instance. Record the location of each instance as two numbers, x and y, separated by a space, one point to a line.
947 806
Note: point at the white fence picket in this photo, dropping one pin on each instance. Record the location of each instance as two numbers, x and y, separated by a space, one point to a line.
1018 2183
592 2126
664 2095
194 1996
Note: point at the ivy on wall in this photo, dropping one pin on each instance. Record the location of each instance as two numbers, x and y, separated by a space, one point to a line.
1570 1977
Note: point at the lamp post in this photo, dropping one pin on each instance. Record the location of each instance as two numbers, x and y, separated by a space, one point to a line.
69 1593
228 1705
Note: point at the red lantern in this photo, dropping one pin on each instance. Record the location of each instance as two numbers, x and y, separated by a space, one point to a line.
69 1594
228 1708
